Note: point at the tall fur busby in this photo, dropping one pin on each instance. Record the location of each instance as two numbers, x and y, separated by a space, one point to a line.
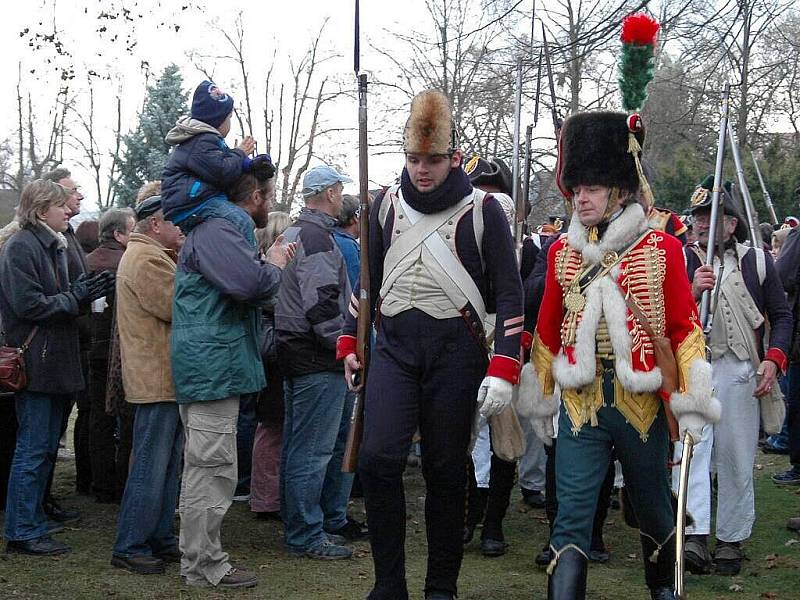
605 148
593 150
429 129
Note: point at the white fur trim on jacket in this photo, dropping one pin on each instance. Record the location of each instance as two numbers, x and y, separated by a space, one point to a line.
698 398
604 297
621 231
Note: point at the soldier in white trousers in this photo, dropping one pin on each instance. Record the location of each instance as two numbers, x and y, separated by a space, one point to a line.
742 372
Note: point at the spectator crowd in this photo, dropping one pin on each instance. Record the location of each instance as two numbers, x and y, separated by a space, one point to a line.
195 338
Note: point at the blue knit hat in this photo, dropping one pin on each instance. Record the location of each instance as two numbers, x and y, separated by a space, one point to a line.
210 104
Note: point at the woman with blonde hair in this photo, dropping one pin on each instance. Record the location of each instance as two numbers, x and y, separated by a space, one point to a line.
265 499
40 308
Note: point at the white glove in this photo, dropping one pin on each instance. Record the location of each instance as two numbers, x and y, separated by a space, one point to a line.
494 395
693 423
543 428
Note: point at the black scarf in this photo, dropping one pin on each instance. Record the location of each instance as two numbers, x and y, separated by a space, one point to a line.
454 189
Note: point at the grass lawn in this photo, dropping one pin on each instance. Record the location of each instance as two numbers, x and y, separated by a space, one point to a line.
771 570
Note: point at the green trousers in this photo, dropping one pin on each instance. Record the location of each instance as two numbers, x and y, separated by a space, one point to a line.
581 464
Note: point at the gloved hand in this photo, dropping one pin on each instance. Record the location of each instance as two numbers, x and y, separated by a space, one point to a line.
527 391
693 423
543 428
257 163
88 288
494 395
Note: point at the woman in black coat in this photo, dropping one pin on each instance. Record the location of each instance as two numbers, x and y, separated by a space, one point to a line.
37 299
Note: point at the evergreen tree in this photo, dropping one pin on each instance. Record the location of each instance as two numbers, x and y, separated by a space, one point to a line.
145 149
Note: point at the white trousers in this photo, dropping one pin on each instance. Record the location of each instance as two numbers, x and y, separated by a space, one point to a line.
734 440
482 454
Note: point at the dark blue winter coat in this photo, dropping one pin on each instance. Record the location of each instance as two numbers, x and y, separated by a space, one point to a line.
201 166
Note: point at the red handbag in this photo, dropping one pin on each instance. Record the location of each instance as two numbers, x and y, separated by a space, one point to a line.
13 377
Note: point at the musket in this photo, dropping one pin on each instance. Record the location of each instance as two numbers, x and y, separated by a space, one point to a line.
749 209
526 181
553 110
364 327
714 234
765 191
520 214
705 302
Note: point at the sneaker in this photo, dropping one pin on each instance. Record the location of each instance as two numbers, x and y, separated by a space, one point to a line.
41 546
141 564
333 538
238 578
769 448
328 551
352 531
242 497
790 477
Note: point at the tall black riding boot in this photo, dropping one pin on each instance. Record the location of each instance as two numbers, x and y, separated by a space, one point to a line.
568 580
659 568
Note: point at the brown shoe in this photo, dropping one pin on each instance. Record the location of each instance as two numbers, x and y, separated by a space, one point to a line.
237 578
141 564
793 524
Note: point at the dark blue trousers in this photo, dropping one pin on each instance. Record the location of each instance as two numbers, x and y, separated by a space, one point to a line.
424 373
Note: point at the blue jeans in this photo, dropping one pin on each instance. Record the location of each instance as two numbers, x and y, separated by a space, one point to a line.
245 438
314 491
39 419
144 524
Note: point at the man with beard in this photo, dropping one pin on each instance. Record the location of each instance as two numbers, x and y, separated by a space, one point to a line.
441 257
219 283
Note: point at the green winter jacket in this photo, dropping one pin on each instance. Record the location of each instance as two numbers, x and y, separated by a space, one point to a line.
216 325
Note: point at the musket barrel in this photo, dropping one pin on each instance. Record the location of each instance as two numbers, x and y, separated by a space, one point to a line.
765 192
705 301
749 209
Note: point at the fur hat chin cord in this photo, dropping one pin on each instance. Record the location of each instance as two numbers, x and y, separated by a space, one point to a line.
636 70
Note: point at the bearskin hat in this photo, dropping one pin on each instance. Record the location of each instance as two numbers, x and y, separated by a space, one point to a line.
593 150
429 129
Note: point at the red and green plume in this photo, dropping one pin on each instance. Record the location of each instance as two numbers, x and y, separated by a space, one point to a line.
637 59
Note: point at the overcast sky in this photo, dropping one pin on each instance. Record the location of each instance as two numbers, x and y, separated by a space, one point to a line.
282 27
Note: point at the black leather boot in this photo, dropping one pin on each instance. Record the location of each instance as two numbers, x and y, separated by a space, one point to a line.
659 568
568 581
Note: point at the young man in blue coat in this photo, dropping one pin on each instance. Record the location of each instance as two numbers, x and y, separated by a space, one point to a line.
432 283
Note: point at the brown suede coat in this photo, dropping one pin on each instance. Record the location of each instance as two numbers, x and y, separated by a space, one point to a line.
145 285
